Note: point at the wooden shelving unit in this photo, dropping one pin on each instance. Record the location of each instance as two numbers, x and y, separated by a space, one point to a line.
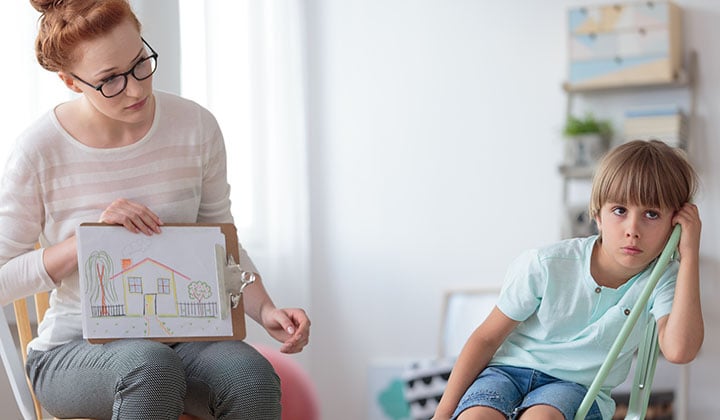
685 80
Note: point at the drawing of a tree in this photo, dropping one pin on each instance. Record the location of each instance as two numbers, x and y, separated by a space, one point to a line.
98 270
199 290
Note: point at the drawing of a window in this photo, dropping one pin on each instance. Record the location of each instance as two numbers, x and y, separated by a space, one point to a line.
163 286
135 285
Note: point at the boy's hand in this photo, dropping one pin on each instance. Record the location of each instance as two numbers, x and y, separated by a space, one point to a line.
441 413
689 218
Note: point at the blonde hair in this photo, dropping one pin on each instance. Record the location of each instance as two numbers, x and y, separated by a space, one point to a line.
66 23
647 173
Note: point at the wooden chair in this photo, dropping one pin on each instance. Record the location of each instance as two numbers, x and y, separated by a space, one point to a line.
15 364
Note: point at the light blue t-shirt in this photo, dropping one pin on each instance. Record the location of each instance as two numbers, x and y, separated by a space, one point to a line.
568 322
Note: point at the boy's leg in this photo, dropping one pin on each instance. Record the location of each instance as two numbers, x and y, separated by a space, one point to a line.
229 380
496 392
542 412
552 398
123 379
481 413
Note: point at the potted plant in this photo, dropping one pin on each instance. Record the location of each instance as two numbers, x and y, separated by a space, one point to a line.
587 139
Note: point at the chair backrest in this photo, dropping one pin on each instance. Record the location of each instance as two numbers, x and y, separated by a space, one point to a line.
463 311
14 354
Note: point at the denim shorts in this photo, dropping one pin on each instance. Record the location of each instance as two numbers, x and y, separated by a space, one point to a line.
511 390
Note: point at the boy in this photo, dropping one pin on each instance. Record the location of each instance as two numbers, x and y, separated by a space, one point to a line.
562 306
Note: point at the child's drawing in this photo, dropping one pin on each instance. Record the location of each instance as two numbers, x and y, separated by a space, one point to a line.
98 269
160 286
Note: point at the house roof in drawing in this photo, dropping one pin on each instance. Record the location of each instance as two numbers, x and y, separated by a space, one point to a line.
149 261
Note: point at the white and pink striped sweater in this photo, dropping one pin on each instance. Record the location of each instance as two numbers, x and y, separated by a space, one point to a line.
52 183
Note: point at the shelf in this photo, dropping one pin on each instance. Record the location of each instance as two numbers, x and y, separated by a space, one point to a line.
682 80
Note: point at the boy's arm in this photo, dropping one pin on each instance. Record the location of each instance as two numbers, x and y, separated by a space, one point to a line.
474 357
681 333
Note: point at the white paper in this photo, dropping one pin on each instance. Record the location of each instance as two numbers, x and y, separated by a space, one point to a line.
138 286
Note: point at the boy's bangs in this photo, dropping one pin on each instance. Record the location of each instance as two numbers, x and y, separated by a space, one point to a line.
631 189
648 174
639 183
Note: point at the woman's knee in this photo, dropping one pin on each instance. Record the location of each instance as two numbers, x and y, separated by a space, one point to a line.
255 372
253 392
155 368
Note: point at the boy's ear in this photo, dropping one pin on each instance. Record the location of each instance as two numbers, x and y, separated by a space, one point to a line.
69 81
598 222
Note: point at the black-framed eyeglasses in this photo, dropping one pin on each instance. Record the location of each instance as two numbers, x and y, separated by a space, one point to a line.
116 84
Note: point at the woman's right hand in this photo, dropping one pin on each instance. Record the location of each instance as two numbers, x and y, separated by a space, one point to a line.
134 216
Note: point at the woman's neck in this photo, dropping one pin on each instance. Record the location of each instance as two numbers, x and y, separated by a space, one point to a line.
94 129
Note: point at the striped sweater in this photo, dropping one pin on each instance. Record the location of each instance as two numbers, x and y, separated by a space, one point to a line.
52 183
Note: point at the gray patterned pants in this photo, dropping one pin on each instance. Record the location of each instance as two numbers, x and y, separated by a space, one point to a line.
142 379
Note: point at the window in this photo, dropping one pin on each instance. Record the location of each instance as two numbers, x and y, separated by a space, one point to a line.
135 285
216 73
33 90
245 61
163 286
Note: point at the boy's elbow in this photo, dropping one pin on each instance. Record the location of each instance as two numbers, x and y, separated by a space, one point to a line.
680 359
682 354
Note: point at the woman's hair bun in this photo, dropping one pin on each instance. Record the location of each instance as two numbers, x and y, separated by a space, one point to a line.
43 6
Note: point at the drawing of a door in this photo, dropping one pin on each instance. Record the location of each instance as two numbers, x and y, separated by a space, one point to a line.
150 304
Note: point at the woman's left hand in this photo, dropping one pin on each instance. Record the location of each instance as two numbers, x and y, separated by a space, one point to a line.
290 326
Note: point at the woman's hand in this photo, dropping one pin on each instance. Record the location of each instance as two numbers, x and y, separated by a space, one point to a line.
135 217
290 326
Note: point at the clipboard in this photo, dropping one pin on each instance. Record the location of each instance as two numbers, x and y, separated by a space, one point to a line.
237 310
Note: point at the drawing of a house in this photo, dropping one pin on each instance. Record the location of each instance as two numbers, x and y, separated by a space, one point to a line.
151 288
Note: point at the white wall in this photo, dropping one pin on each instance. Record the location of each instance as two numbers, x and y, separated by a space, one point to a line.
434 151
434 147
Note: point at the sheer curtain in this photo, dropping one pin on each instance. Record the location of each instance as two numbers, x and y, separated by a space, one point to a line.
28 89
244 61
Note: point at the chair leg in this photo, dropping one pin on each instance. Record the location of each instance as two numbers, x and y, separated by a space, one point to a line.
644 374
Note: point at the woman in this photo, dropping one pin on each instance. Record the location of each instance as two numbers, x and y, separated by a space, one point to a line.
123 154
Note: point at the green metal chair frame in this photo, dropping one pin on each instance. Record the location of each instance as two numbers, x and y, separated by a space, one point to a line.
647 351
644 374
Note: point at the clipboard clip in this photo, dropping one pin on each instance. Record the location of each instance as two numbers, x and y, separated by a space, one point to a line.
237 274
247 278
